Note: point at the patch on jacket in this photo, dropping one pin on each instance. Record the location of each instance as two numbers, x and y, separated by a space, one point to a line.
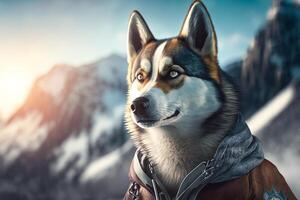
274 195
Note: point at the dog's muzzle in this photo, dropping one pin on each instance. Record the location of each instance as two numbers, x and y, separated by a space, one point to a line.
143 113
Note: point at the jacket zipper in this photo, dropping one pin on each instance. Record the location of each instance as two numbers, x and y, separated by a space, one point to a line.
154 184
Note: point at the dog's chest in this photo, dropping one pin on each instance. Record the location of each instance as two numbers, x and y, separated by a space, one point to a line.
174 156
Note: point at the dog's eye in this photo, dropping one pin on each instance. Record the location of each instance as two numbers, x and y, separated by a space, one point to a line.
140 77
173 74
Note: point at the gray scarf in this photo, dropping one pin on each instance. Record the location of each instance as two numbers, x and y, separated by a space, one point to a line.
237 154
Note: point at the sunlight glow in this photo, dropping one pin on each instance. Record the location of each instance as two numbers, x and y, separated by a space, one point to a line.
14 86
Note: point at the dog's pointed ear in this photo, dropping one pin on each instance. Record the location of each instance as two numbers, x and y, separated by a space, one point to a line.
198 31
138 35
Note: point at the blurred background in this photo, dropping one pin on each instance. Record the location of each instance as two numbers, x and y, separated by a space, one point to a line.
63 88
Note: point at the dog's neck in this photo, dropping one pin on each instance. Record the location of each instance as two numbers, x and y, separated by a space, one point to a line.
175 155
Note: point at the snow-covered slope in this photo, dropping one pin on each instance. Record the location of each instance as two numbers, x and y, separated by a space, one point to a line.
110 173
271 110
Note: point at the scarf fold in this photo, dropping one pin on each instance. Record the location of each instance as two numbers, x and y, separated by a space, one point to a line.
237 154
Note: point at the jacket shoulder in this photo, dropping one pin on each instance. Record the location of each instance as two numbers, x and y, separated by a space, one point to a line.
265 179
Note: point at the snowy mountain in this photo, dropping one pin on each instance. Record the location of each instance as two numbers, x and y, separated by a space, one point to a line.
273 59
72 116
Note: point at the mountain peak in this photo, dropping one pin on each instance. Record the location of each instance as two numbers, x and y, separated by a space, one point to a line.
284 7
54 82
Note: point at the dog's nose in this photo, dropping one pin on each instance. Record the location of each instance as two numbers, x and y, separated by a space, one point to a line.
139 106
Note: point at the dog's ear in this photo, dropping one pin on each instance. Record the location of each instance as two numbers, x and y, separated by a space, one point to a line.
198 31
138 35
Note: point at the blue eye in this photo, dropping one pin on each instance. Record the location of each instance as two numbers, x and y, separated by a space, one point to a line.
173 74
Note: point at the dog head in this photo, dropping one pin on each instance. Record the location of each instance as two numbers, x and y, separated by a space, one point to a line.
175 81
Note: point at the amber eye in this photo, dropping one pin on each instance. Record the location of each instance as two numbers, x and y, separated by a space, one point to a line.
173 74
140 77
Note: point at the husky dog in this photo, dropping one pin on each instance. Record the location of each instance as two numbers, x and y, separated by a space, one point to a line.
180 103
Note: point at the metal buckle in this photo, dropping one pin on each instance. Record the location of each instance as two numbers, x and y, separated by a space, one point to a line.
134 190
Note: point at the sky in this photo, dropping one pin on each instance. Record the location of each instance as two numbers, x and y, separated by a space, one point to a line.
37 34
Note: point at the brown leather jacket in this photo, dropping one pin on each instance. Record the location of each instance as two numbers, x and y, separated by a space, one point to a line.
262 182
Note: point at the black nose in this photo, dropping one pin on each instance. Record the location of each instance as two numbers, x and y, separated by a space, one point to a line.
139 106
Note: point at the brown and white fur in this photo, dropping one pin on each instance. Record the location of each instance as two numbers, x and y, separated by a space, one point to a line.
191 104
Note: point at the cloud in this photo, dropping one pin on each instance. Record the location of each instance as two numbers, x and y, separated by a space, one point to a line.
233 40
233 46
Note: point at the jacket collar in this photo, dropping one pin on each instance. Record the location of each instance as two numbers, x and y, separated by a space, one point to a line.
237 154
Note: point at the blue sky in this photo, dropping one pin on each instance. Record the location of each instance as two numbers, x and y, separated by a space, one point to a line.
36 34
